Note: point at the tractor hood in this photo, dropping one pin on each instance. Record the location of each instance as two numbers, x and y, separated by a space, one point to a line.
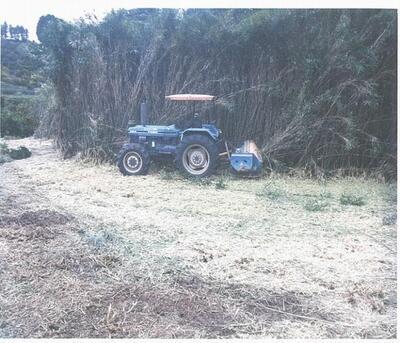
154 130
172 130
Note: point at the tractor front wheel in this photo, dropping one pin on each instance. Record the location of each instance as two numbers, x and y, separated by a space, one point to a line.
197 155
133 159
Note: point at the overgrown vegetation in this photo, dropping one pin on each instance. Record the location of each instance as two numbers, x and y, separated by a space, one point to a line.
17 117
315 88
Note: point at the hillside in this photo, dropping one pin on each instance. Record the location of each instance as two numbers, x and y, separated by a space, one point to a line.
21 77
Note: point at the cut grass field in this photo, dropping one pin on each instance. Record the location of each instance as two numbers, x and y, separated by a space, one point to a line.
87 252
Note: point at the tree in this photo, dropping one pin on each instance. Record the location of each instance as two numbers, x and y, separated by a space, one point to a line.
25 35
17 32
4 30
12 32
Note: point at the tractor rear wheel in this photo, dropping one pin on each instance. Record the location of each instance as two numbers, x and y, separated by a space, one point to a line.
133 159
197 155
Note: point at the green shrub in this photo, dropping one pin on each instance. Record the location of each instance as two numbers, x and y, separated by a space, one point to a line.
351 199
20 153
7 154
18 119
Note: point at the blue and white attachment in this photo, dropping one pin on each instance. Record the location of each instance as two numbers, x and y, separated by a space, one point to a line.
247 158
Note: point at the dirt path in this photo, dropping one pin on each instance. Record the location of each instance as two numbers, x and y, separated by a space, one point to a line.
86 252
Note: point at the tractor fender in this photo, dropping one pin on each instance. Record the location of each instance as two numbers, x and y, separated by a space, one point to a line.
131 146
199 131
128 146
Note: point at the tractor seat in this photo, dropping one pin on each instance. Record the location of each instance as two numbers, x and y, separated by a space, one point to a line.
184 124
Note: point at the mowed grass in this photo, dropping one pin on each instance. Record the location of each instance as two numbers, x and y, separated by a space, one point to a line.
167 256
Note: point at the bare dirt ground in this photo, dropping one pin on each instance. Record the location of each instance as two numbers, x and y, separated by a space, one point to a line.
86 252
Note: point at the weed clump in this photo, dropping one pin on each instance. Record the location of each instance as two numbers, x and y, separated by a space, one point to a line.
351 199
199 181
99 240
166 175
315 205
221 184
325 195
271 192
390 219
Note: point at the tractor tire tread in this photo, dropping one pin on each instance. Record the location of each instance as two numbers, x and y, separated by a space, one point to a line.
206 142
144 154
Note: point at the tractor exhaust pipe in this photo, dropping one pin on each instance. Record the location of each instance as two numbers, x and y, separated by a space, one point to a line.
143 113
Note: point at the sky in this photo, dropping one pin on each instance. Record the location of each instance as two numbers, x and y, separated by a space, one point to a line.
28 12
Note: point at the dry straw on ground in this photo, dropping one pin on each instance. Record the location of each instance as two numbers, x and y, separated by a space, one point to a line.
86 252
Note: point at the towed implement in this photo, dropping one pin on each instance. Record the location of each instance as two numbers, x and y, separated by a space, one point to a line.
195 146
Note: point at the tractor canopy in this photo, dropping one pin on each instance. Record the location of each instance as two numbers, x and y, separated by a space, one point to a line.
190 97
191 119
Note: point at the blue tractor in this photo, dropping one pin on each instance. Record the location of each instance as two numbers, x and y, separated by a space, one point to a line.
196 147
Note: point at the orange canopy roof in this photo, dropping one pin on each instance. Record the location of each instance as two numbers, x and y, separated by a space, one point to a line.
190 97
